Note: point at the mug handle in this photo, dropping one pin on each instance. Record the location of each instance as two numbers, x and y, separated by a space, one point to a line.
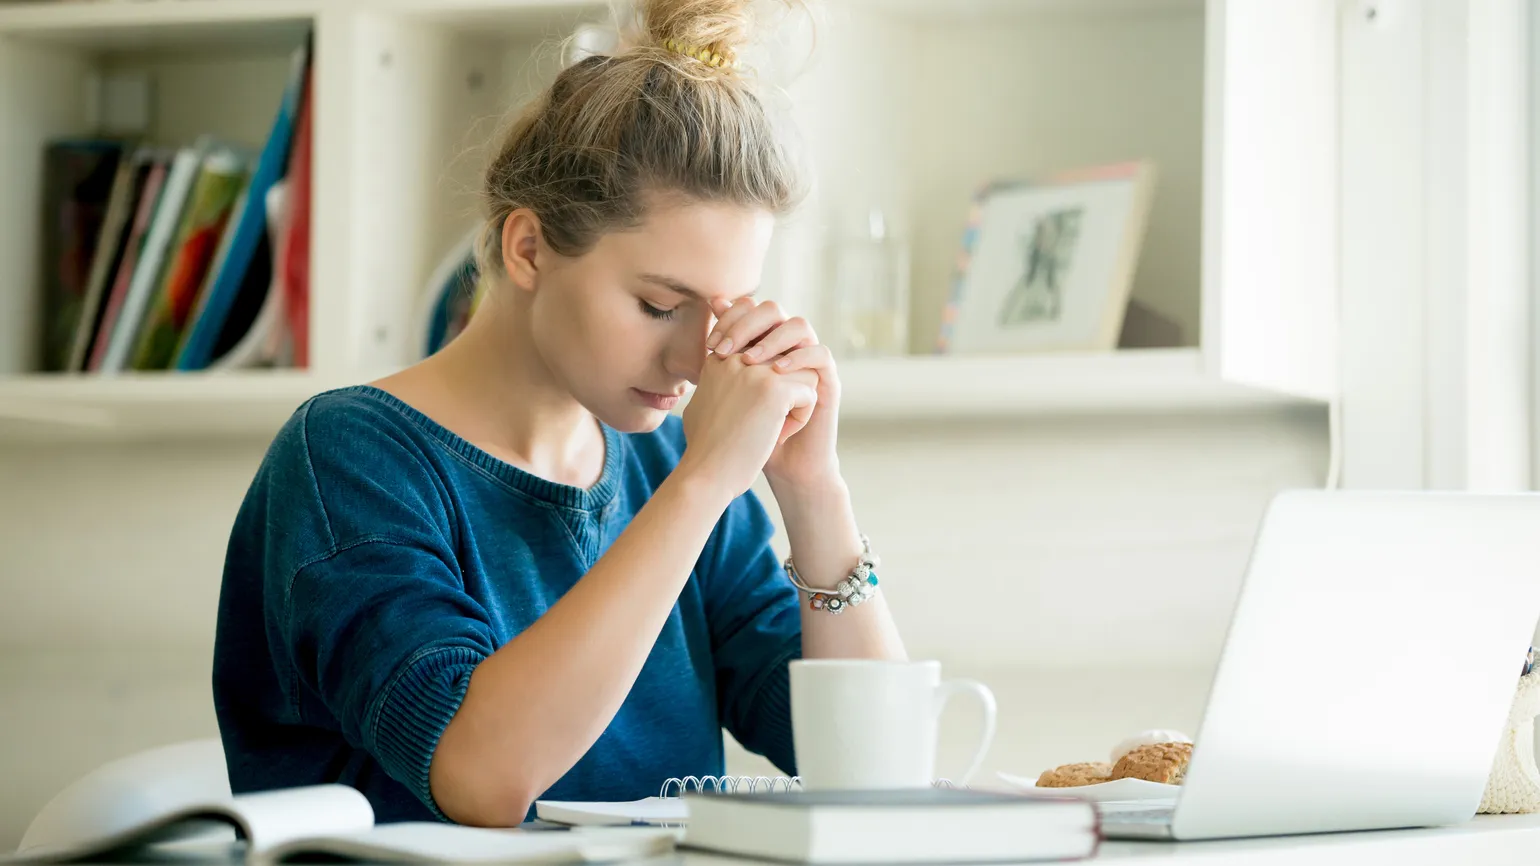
986 699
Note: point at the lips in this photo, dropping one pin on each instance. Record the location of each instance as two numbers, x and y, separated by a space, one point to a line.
663 402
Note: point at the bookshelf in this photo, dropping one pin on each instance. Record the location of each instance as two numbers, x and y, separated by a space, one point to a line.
412 90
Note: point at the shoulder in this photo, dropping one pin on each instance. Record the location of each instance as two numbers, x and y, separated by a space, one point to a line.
351 447
351 417
354 428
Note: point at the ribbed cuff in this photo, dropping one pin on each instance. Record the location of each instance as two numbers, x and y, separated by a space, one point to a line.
772 713
414 712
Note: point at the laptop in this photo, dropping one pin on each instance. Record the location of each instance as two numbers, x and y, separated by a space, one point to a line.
1368 670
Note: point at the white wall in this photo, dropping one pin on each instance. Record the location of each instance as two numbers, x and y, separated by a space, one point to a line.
915 115
1063 91
1057 543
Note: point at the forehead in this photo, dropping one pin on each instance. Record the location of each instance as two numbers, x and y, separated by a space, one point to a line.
711 250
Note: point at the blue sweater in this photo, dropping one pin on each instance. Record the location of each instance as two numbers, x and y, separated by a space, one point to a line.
378 558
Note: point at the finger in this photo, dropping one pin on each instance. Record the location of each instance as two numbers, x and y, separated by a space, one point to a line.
805 400
816 357
725 319
793 333
750 327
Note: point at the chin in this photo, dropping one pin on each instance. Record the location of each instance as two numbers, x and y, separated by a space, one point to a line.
633 419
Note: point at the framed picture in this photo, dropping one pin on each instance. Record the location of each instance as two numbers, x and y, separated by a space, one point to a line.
1046 265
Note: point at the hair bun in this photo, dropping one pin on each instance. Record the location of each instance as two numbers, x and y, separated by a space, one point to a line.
719 27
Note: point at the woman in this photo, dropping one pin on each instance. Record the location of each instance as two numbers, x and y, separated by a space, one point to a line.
502 573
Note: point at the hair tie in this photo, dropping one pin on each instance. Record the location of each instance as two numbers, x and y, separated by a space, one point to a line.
714 59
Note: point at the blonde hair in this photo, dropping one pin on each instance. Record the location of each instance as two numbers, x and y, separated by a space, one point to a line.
589 154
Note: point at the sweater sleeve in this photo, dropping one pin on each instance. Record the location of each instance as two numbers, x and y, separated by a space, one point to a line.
384 635
374 619
756 631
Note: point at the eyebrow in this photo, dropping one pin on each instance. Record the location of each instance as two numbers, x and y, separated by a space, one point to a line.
674 285
671 284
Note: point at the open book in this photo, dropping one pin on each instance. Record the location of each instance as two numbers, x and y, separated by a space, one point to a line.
326 821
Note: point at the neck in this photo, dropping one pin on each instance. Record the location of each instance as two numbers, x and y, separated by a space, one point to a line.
512 403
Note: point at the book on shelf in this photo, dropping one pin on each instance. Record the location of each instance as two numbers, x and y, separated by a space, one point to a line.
169 257
110 246
220 179
79 177
242 269
293 257
157 166
153 254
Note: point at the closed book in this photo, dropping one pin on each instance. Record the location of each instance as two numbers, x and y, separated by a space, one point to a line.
933 825
78 179
241 272
219 182
144 211
109 251
150 268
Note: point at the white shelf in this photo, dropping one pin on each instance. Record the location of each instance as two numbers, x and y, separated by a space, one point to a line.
121 25
54 407
965 10
1130 381
138 24
539 17
254 405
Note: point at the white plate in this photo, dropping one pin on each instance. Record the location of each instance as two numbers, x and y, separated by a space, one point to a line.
1118 790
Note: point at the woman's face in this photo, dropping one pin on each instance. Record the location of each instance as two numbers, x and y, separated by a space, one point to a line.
623 327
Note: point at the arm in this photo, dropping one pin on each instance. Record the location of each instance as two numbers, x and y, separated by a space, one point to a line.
537 704
534 707
825 545
760 622
804 475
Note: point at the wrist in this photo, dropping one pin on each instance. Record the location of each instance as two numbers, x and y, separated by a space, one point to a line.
817 492
700 485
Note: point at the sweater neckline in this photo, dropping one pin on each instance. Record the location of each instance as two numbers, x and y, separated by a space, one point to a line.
565 495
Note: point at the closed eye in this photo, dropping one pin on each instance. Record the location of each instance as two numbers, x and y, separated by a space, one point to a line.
656 312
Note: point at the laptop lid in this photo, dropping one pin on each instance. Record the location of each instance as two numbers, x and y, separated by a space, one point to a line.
1368 670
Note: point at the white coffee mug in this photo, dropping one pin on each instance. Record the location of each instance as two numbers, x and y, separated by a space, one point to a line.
870 725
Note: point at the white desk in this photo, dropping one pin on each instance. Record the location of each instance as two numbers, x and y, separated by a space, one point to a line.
1484 841
1488 840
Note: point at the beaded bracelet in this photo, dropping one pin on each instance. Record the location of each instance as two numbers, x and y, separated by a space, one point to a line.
855 589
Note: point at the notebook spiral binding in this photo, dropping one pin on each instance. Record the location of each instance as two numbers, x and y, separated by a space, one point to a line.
728 785
746 785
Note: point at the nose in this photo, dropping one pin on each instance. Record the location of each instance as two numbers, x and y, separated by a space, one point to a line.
686 351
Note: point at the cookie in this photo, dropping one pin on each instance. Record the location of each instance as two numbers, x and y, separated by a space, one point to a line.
1147 738
1075 775
1158 762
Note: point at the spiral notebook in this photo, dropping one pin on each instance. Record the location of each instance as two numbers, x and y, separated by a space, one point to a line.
667 809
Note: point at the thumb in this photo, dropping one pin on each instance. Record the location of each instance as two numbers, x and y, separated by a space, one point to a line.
804 400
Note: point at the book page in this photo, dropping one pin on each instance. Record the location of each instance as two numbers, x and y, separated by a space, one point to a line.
275 817
431 842
652 810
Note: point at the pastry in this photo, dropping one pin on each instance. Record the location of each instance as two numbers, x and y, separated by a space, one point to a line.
1146 738
1158 762
1075 775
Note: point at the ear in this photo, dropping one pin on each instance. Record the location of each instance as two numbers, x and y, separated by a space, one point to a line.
521 243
